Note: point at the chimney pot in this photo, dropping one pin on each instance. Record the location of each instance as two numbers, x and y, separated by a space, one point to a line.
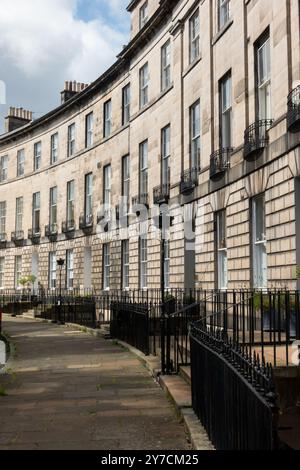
17 117
71 88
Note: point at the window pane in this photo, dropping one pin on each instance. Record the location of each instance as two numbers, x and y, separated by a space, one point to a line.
52 270
143 263
107 118
222 250
144 168
259 243
107 186
106 266
71 140
19 214
125 264
54 148
126 105
53 206
89 129
166 65
2 217
3 168
70 269
37 155
226 112
143 15
194 36
166 155
195 135
88 195
144 80
70 202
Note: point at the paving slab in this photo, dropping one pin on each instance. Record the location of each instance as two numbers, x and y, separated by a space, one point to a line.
69 390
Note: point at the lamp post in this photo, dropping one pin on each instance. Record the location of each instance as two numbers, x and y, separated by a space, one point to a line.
165 222
60 264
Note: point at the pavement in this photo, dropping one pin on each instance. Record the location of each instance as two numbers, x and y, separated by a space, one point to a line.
67 390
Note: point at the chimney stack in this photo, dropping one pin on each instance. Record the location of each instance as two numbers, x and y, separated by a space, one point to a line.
71 89
17 117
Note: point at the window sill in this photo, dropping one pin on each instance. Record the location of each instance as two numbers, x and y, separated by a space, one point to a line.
222 31
151 103
192 65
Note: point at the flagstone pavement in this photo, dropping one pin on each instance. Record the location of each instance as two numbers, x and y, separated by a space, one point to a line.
69 390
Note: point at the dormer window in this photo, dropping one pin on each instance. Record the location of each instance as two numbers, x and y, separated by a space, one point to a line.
143 15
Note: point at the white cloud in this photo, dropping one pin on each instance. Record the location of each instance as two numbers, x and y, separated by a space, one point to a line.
43 43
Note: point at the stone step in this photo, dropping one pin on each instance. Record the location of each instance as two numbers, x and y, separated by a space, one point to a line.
29 314
185 373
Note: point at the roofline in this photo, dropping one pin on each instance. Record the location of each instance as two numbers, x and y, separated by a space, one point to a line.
122 61
132 5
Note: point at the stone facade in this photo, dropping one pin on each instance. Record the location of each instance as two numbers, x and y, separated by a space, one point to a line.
273 172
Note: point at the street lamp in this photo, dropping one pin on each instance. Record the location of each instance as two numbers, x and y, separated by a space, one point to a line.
60 264
165 222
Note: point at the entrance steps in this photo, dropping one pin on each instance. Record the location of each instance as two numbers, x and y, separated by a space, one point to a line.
185 373
30 314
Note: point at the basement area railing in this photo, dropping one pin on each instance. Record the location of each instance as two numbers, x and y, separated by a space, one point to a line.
233 392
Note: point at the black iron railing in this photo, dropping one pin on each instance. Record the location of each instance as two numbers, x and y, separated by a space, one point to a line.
3 240
189 180
130 323
141 199
161 193
220 162
86 222
256 137
267 322
67 308
68 226
34 235
17 236
51 231
293 112
233 392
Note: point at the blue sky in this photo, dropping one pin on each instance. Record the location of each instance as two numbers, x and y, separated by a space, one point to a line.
79 42
88 10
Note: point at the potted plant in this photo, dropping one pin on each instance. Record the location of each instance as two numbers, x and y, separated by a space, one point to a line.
23 282
31 281
272 309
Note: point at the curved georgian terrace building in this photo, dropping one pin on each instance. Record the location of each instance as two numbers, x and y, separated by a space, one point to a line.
201 108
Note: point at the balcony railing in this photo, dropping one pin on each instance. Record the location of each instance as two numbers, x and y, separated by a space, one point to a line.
189 180
293 113
220 162
161 194
256 137
3 240
34 235
51 231
17 237
86 222
68 227
141 199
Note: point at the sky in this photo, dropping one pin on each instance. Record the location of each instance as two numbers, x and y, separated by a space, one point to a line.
45 42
